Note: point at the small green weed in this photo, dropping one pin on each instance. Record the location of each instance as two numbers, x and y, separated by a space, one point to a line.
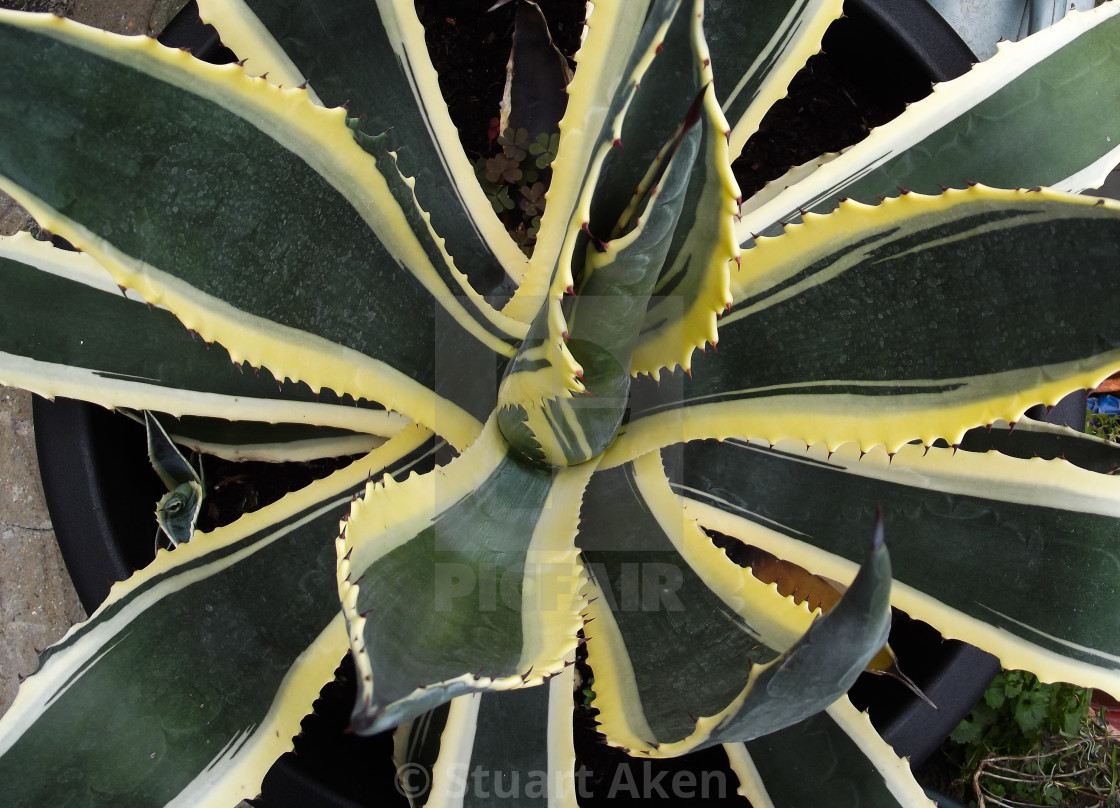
1104 426
1028 745
516 178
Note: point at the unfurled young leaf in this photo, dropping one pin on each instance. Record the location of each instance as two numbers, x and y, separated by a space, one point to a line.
177 511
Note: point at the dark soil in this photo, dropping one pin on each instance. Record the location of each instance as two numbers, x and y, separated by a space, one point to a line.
236 488
835 101
470 47
320 772
824 112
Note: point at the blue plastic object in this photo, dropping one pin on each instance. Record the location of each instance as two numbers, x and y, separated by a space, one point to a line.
1103 405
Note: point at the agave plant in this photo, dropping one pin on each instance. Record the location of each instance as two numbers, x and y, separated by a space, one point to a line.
297 244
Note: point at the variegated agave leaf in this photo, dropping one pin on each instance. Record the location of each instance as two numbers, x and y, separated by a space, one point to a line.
989 126
277 276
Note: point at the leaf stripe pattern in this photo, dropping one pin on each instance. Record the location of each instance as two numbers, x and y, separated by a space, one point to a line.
348 57
834 758
646 596
1042 81
92 352
545 360
1029 439
207 726
939 506
254 440
865 348
332 250
518 592
849 332
604 317
507 748
756 60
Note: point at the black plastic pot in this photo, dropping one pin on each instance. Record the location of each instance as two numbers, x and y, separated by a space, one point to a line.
918 36
101 491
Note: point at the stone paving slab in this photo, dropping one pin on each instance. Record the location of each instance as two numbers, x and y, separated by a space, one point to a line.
37 601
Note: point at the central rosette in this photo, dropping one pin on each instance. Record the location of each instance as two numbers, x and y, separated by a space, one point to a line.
565 393
575 427
599 326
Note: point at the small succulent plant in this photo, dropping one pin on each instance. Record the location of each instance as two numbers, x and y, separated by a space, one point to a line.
671 363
